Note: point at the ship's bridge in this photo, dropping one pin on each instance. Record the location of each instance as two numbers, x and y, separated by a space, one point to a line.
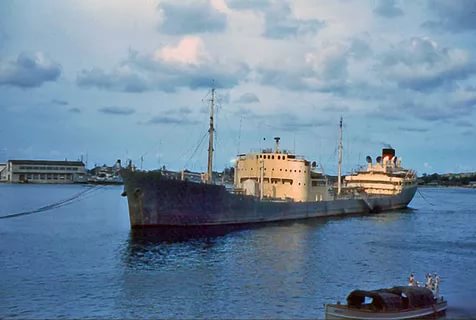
279 174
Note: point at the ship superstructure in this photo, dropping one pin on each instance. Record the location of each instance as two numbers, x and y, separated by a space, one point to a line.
385 177
279 175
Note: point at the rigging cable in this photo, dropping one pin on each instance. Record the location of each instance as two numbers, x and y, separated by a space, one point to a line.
54 205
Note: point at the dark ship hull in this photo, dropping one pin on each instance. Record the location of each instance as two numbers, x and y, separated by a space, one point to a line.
156 200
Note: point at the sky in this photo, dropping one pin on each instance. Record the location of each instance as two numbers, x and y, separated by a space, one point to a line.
127 79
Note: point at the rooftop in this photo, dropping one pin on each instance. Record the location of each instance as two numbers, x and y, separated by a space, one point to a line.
48 162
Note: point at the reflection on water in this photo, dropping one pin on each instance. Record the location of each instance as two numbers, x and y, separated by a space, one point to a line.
84 261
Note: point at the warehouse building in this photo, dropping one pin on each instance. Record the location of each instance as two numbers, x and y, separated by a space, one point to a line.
44 171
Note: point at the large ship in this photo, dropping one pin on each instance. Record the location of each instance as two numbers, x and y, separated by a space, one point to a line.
270 185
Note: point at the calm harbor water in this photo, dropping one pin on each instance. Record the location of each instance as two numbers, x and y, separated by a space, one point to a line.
80 260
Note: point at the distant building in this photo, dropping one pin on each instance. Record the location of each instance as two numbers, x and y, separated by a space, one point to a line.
3 172
44 171
106 175
472 184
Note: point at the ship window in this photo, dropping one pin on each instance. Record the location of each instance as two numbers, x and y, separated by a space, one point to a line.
299 183
272 157
294 170
284 157
280 169
269 157
299 170
286 170
279 157
314 183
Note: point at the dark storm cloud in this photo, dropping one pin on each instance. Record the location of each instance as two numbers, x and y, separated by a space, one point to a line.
141 73
387 8
59 102
166 119
247 98
191 18
452 15
115 110
28 71
420 64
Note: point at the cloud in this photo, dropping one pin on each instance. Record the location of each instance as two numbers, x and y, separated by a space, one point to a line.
336 108
324 69
115 110
248 98
184 110
421 64
248 4
279 20
452 16
413 129
280 23
29 70
74 110
121 78
464 124
282 121
190 50
171 120
388 9
59 102
190 18
165 71
440 109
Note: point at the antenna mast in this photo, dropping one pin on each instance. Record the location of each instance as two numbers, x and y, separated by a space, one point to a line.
339 166
211 131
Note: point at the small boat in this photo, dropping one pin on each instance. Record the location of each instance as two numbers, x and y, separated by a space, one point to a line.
404 302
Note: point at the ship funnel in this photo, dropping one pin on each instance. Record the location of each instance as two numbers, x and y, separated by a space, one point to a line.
388 152
277 144
369 159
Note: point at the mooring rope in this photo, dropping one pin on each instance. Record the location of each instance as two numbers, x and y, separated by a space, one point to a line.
55 205
431 204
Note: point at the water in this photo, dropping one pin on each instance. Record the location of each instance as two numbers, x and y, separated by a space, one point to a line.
82 260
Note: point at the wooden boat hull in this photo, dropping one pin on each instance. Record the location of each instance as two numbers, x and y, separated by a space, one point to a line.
337 311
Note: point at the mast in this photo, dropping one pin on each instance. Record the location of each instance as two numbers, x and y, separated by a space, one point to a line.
339 166
211 131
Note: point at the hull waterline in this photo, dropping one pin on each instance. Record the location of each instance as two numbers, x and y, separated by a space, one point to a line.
157 201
